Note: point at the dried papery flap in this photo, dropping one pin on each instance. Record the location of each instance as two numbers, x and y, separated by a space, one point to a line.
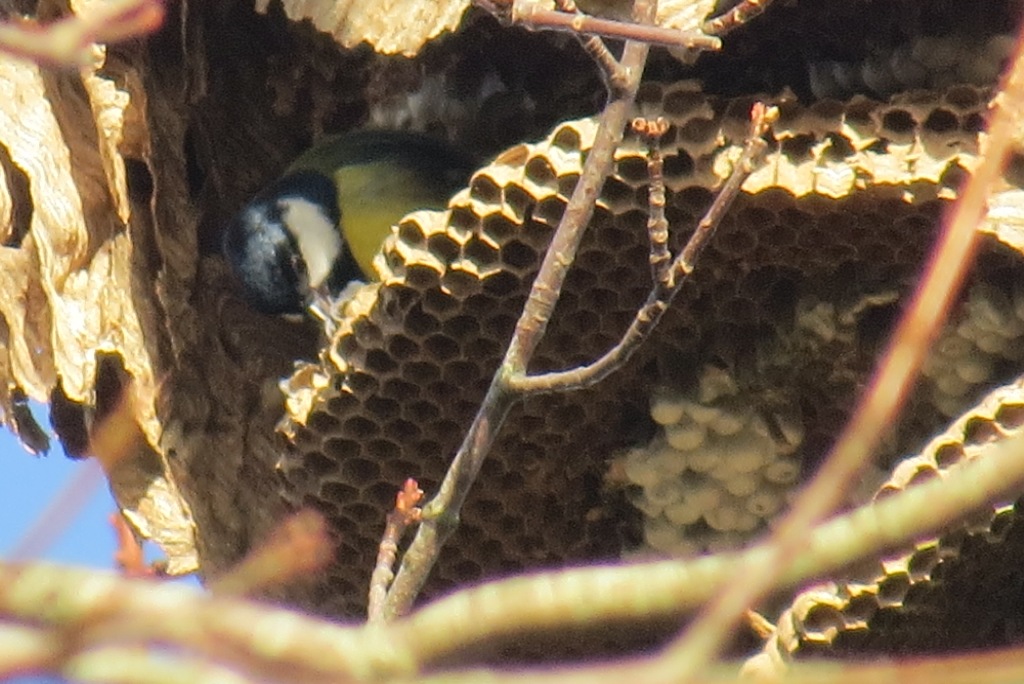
953 589
390 27
68 275
61 130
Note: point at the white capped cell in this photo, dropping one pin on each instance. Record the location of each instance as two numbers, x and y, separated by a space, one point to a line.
748 453
640 468
947 405
723 518
722 471
645 505
669 460
728 423
990 343
705 497
764 504
686 434
701 413
984 310
968 330
783 471
683 513
714 383
953 346
665 492
935 53
666 410
661 535
703 460
951 384
974 369
742 485
747 522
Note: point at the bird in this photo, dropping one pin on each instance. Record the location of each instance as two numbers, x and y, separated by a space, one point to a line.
317 228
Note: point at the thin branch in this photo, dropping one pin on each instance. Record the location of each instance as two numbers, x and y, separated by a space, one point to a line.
574 597
88 610
897 370
66 42
668 285
657 223
405 513
298 547
531 15
440 515
63 507
736 17
615 77
27 650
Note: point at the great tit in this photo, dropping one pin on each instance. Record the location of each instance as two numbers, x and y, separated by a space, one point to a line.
319 226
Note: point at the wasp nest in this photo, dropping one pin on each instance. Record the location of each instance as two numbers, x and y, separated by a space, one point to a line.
834 224
954 589
716 472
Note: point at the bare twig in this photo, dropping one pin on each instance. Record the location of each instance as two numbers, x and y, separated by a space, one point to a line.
668 284
611 70
657 224
531 15
736 17
90 611
66 42
440 515
297 547
588 596
405 513
129 556
896 372
63 508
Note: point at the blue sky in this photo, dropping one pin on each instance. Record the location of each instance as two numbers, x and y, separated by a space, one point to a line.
30 484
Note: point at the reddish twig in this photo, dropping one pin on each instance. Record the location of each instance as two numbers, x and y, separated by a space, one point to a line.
405 513
899 366
66 42
532 16
298 547
669 281
129 556
440 515
736 17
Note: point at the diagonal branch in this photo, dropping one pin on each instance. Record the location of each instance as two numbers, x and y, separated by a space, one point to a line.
440 515
898 369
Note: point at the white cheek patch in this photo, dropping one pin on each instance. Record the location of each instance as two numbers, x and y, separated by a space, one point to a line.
318 238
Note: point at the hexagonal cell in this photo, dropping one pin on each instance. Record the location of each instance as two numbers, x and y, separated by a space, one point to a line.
821 623
461 280
619 196
1010 415
358 471
359 428
632 170
893 589
566 138
539 170
485 189
758 270
899 124
401 348
980 430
